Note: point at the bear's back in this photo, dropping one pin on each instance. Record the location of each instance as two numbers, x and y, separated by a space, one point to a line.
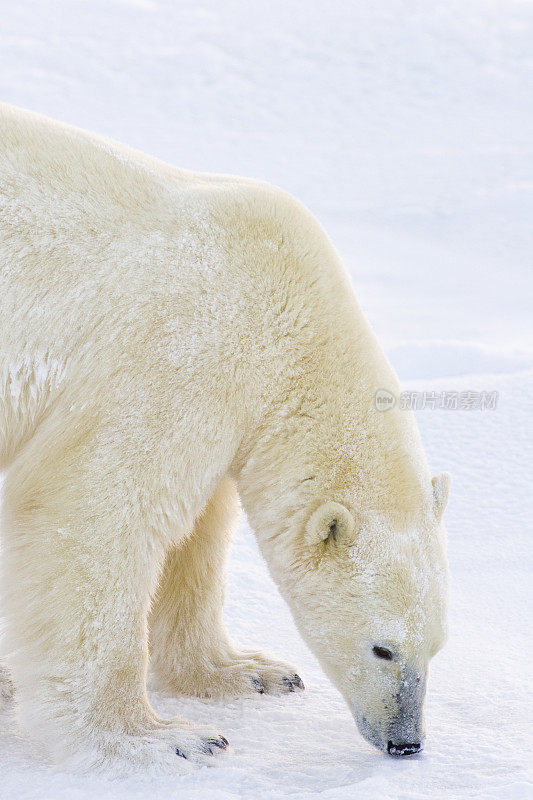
59 169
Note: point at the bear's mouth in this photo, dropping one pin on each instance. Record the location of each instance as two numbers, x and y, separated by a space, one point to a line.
394 747
368 732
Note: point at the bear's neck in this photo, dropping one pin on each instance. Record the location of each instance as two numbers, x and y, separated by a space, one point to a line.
313 430
324 438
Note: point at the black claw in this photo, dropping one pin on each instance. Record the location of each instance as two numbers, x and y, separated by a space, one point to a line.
206 749
298 682
258 683
180 754
221 742
288 684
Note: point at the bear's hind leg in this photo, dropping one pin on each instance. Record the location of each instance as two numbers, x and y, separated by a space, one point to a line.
191 652
79 564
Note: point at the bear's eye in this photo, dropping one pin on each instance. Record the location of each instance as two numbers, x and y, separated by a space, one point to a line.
382 652
332 527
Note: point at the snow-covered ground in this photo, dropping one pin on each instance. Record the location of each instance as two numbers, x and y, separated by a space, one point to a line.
407 126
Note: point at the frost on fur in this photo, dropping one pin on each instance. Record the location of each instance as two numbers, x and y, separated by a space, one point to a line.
6 689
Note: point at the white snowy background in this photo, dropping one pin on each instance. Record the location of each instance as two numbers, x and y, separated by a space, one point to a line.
407 127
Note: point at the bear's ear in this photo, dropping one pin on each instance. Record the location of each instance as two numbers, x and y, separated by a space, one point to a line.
330 521
441 492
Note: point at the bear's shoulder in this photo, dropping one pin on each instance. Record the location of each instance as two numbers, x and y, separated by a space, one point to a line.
39 148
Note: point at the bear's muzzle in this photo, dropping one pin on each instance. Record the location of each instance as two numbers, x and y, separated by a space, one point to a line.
402 732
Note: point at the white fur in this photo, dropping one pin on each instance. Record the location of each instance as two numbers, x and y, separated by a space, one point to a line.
171 342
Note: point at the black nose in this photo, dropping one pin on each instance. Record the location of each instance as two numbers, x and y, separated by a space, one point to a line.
403 749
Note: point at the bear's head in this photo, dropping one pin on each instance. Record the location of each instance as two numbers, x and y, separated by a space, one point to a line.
368 593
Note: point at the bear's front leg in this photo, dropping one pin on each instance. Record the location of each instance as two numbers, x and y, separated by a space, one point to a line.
79 566
191 652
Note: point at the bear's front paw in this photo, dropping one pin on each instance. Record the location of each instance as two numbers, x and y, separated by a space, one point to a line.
194 749
276 678
269 676
170 746
236 674
266 675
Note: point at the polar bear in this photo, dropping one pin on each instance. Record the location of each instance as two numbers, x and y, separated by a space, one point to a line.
174 344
